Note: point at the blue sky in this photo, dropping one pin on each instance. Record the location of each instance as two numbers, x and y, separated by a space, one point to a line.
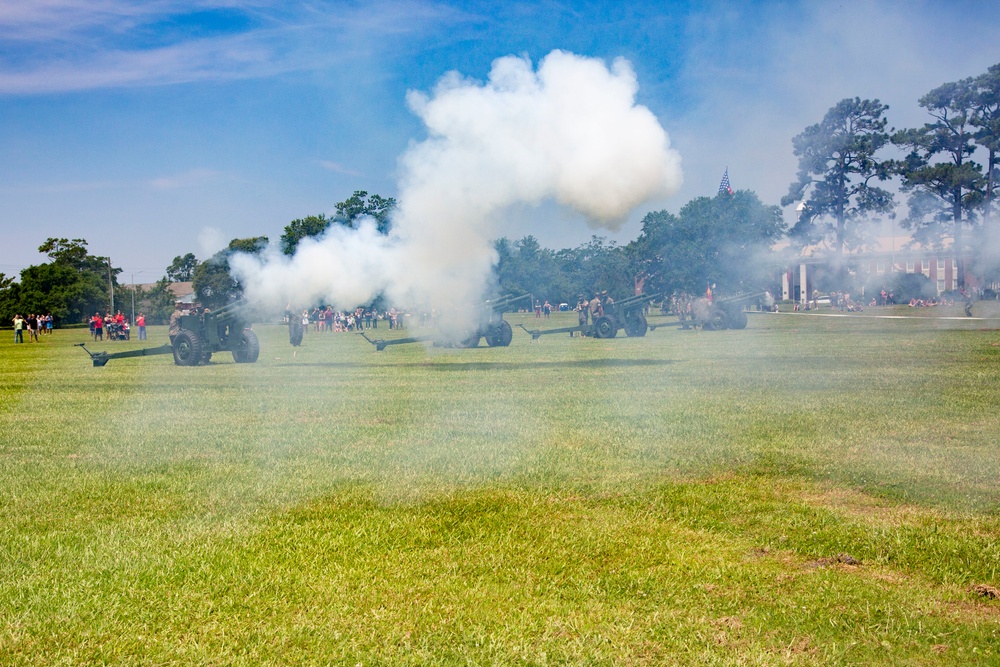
156 128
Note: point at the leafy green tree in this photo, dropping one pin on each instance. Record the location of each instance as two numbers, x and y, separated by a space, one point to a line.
9 298
837 167
724 240
72 286
524 266
156 302
945 193
296 230
596 266
349 211
986 120
361 204
181 270
213 284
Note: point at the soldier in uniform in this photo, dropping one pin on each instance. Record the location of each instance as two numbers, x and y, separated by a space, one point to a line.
596 310
175 320
608 305
581 313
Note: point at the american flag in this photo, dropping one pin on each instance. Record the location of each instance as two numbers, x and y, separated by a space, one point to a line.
724 185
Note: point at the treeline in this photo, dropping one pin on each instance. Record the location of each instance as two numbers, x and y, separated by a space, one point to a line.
724 241
843 160
947 169
71 286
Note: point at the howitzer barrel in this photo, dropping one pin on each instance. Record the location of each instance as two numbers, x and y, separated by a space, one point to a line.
504 302
635 301
232 308
740 297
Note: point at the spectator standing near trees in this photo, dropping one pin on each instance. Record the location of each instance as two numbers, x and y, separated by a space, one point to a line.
140 323
32 322
18 329
98 325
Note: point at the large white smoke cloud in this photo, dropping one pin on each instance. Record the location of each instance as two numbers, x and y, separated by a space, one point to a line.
570 131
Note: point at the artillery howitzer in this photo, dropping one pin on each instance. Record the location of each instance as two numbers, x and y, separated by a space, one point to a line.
491 325
226 329
626 314
713 315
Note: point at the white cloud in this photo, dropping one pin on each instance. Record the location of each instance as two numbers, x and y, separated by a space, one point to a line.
186 179
74 45
338 168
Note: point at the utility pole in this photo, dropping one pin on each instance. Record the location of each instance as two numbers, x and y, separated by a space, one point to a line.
133 298
111 286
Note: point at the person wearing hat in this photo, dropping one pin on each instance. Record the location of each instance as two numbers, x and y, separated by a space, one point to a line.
581 313
175 320
596 309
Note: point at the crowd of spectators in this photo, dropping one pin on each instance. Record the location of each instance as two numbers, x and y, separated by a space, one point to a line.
35 325
115 327
327 320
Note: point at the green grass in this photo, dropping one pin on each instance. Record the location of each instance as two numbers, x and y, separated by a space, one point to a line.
676 499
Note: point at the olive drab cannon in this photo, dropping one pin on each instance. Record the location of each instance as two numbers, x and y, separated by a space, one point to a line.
627 314
716 315
199 336
490 326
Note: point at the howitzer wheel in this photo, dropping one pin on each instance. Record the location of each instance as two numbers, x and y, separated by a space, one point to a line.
188 348
717 320
737 319
636 326
472 340
248 348
605 327
502 335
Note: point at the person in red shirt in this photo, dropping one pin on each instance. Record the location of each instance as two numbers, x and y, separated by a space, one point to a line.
98 326
140 322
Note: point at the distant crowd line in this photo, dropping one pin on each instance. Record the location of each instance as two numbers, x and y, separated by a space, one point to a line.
116 327
328 320
34 325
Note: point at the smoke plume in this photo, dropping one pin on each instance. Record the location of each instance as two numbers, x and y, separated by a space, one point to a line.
570 131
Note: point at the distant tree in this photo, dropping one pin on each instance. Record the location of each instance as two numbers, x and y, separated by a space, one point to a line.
356 206
181 270
296 230
724 240
156 302
214 285
986 120
944 194
595 266
525 267
9 298
72 286
362 204
837 165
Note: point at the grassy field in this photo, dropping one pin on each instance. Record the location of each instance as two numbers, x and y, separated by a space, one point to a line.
810 490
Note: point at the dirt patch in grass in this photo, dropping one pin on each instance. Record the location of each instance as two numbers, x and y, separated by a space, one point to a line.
839 559
985 591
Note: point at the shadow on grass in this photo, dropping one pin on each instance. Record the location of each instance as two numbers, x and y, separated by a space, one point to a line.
493 365
530 365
